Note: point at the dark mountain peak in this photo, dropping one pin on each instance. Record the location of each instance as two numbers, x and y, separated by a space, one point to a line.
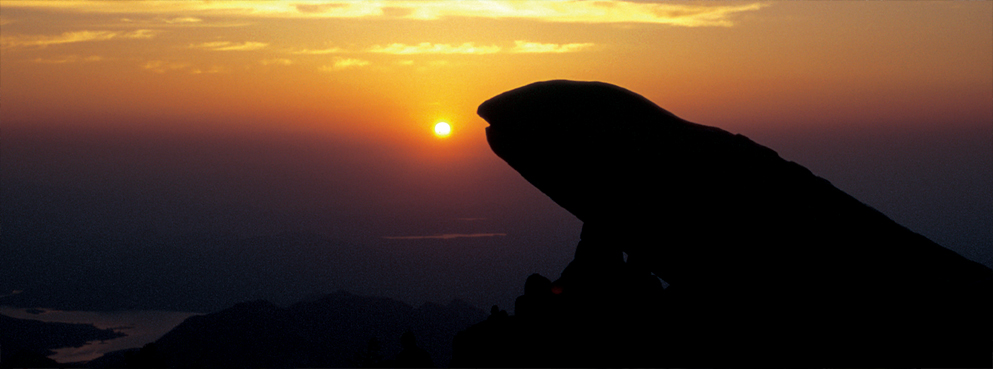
255 305
344 304
459 304
455 306
246 310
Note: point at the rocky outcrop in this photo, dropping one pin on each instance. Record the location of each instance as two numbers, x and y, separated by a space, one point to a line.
587 318
766 262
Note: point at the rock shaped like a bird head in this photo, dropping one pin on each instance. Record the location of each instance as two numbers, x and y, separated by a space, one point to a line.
600 151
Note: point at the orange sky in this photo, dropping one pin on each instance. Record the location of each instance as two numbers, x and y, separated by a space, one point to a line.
390 70
379 75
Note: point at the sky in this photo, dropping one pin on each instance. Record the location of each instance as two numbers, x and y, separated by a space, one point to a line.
190 155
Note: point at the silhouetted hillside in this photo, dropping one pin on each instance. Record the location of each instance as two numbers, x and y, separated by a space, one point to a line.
26 342
332 331
767 264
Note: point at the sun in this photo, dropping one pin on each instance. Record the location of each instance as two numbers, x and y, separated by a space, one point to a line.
442 129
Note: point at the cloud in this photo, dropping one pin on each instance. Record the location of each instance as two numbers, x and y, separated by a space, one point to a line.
579 11
65 38
333 50
537 47
467 48
429 48
344 63
572 11
72 37
276 61
230 46
214 69
140 34
446 236
69 59
150 20
319 8
182 20
159 66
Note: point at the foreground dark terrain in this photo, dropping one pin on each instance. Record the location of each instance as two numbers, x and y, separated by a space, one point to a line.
766 262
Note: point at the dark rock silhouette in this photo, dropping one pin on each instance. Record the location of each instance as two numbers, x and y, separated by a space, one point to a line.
496 313
536 303
371 356
332 331
611 322
412 356
767 264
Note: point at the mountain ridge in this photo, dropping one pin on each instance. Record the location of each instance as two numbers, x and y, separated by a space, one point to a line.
334 330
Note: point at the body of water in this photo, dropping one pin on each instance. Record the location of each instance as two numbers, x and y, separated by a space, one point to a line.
141 327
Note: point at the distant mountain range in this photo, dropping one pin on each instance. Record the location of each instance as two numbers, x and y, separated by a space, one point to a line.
336 330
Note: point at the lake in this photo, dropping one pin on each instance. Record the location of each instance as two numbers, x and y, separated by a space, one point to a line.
141 327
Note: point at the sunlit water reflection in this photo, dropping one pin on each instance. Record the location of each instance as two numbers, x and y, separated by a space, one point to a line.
141 327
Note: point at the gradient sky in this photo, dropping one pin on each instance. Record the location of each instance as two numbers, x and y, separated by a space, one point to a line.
143 137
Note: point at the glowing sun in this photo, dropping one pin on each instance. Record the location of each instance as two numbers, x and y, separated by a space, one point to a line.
442 129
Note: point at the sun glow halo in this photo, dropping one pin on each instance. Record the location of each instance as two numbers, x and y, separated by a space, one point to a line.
442 129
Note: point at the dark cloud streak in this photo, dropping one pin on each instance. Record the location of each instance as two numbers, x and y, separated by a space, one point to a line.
446 236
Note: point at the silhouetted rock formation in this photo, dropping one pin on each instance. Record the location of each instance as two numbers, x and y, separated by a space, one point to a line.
411 356
767 263
333 331
27 342
572 323
371 357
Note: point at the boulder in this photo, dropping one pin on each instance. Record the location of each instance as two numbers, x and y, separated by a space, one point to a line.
766 262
